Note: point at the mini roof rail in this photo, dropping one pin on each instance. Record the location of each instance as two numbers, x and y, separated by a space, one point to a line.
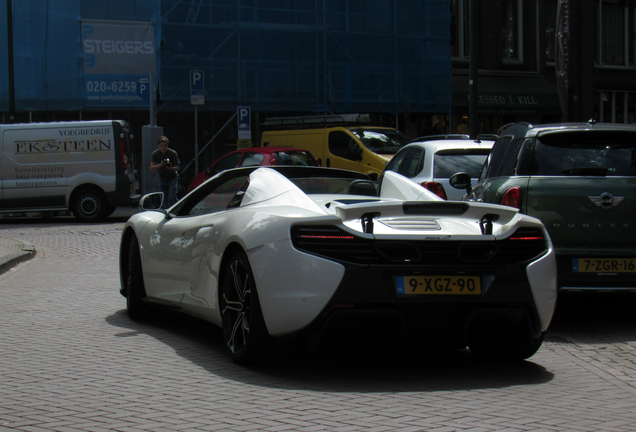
315 120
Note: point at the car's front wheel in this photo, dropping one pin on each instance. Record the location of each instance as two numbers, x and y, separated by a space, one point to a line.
244 331
135 290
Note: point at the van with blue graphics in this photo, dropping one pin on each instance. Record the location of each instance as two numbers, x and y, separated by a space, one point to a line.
86 167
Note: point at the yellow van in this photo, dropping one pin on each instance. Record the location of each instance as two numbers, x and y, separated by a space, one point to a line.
365 149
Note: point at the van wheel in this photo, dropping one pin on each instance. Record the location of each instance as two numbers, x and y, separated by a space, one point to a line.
89 205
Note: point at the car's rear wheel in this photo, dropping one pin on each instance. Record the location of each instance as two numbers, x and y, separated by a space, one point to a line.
135 290
89 205
244 331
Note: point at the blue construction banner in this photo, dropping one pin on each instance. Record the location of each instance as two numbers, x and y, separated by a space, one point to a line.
4 62
63 64
302 56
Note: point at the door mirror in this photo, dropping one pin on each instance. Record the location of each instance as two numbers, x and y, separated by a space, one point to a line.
152 201
461 180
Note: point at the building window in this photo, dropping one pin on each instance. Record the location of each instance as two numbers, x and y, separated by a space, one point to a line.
615 107
459 29
512 31
616 36
550 30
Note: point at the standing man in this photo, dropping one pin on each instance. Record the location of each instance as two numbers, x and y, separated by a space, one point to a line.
166 161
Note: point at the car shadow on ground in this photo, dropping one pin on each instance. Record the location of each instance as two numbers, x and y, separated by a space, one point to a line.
368 368
594 317
120 215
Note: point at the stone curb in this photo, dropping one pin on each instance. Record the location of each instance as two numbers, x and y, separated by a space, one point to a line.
8 261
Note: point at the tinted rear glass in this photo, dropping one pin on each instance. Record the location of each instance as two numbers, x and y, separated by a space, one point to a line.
587 153
449 162
252 159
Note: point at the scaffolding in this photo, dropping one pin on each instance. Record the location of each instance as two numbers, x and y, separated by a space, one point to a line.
307 56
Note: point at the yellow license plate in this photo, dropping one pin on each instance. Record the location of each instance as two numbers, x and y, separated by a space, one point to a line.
604 265
438 285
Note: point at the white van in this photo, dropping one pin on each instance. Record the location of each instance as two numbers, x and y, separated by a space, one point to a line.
87 167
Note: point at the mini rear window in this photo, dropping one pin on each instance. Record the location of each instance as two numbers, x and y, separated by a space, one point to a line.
449 162
586 153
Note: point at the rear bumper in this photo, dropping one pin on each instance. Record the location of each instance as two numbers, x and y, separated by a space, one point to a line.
366 306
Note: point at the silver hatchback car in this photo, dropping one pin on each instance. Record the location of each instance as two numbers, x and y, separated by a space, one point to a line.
432 163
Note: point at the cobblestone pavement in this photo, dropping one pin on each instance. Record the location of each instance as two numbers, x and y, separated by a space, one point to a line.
71 360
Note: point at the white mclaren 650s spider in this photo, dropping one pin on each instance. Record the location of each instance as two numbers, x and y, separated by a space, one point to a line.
283 253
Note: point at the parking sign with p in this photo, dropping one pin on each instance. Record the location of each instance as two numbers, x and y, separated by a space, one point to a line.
244 115
196 87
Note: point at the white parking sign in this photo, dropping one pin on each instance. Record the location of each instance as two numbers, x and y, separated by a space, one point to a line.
196 87
244 115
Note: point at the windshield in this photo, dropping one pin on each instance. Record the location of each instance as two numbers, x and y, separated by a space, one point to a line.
332 185
589 153
381 141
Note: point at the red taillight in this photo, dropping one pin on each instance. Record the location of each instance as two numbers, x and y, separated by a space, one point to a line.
526 238
512 197
322 237
436 188
122 153
272 160
527 234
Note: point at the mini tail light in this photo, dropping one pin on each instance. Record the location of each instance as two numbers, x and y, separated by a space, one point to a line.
512 197
436 188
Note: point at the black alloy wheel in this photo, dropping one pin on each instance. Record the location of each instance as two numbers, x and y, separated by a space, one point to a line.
244 331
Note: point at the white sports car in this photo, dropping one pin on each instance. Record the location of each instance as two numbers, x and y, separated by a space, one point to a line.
280 253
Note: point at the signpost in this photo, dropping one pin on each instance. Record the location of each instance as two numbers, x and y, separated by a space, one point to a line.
244 116
197 97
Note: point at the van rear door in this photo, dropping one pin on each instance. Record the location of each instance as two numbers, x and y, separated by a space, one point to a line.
126 160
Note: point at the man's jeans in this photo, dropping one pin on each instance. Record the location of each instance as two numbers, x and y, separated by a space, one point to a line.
169 189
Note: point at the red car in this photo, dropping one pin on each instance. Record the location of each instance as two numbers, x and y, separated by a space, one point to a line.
255 156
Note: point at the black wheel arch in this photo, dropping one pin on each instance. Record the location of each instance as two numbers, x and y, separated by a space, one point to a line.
124 252
229 252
